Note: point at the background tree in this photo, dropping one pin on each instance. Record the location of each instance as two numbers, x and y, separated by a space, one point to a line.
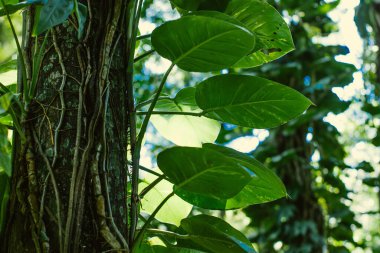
74 122
307 154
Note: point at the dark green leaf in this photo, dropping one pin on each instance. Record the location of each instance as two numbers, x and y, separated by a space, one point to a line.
264 187
81 13
372 181
249 101
216 235
8 2
203 172
272 33
193 5
7 66
53 13
202 44
13 6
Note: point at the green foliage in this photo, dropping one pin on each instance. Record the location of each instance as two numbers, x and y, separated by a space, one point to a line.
251 101
184 130
185 42
214 235
217 35
53 13
273 35
11 7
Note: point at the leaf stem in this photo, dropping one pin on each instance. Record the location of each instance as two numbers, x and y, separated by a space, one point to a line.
196 114
148 102
136 158
142 56
140 235
142 37
167 233
151 186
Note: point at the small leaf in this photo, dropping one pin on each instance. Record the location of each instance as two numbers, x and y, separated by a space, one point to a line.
201 43
203 172
249 101
215 235
81 13
173 211
53 13
273 35
13 6
8 66
184 130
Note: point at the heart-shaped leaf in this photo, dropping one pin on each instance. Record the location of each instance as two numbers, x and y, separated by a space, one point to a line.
264 187
203 172
215 235
273 35
193 5
53 13
249 101
201 43
184 130
13 6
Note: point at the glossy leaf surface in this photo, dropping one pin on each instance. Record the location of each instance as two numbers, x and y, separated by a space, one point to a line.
201 43
193 5
53 13
203 172
13 6
216 235
249 101
265 186
273 35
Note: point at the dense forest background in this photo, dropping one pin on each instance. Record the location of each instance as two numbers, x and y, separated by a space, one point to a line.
328 158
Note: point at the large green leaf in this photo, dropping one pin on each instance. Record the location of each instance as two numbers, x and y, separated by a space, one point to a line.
53 13
203 172
273 35
215 235
146 248
184 130
193 5
175 208
8 2
13 6
249 101
201 43
264 187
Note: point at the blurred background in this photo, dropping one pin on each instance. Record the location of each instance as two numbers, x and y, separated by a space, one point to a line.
329 158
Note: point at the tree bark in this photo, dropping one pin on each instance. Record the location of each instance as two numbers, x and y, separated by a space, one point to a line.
68 189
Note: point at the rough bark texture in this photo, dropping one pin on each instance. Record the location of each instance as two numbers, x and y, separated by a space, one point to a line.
76 128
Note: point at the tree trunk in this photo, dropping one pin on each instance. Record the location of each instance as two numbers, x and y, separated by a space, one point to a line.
68 190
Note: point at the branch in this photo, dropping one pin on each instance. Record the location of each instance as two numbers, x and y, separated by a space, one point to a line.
140 235
147 53
196 114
